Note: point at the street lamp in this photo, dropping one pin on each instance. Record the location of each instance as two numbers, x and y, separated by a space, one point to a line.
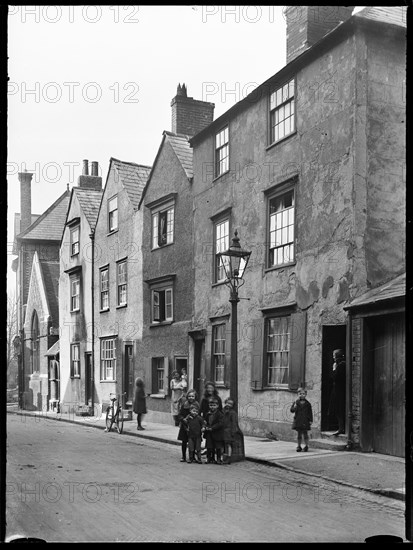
234 260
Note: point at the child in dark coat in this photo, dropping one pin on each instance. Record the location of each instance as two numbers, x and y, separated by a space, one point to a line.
183 413
214 432
139 402
194 425
303 417
231 428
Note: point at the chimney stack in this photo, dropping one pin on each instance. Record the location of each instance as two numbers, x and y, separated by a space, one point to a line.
306 25
94 181
25 179
189 115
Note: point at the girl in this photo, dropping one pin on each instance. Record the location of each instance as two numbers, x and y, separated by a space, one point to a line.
178 387
231 428
209 391
303 417
139 402
183 413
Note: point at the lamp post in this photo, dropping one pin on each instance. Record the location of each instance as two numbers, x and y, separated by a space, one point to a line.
234 261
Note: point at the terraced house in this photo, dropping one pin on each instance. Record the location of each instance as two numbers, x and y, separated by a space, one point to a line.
76 388
117 290
309 169
167 248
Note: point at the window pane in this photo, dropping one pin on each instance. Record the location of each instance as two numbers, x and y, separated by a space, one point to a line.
155 231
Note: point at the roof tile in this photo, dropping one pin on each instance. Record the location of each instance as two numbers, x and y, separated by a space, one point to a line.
133 178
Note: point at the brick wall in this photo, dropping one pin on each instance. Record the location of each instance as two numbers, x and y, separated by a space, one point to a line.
190 116
306 25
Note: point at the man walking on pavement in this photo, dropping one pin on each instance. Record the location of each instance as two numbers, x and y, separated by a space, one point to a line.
337 404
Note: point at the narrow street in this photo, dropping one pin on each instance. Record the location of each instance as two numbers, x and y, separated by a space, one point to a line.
72 483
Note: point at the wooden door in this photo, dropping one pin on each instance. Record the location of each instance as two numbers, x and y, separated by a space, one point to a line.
388 336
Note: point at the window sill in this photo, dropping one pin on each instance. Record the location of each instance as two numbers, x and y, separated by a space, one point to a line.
281 140
216 178
164 323
104 310
74 255
74 310
158 395
275 267
121 306
278 388
75 376
161 247
111 381
113 231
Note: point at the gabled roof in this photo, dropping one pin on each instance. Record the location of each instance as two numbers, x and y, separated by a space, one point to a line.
49 226
133 178
183 151
50 273
393 15
89 200
396 288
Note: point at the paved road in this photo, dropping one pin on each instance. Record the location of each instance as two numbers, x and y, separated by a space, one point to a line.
69 482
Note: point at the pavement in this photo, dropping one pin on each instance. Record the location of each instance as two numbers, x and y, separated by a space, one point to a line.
373 472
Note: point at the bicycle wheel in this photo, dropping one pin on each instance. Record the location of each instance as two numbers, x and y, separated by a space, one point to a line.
119 420
109 419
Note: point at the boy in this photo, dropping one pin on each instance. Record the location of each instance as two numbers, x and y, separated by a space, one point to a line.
194 425
303 418
214 432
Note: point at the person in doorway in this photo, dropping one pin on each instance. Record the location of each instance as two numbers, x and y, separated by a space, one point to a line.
337 403
139 402
190 401
303 418
178 388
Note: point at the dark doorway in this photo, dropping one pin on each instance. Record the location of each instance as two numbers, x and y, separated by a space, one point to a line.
199 355
88 378
334 337
128 374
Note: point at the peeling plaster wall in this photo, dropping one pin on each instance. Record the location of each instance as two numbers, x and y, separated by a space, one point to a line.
386 184
329 235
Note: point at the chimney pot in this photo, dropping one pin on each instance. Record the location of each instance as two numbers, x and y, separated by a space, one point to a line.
85 167
95 168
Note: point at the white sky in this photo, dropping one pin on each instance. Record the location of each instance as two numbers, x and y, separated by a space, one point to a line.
104 78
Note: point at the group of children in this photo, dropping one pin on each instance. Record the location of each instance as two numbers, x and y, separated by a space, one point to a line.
209 420
218 425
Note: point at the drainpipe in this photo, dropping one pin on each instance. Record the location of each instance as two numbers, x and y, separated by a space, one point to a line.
92 377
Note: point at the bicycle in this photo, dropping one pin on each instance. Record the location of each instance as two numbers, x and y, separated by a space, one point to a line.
114 415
